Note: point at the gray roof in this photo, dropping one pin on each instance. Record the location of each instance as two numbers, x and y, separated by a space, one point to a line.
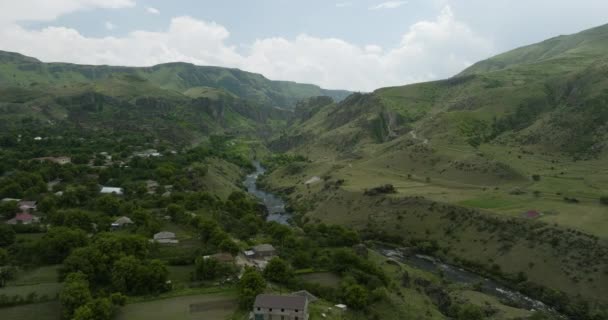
123 220
164 235
280 302
263 248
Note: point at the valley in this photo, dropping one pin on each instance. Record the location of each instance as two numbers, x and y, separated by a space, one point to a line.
181 191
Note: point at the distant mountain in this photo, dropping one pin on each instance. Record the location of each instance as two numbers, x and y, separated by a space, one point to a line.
550 96
588 44
22 71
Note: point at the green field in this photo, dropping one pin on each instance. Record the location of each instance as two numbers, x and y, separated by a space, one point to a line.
39 311
47 274
327 279
50 290
207 306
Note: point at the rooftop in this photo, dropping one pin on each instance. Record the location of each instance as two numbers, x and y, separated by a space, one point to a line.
278 302
123 220
164 235
263 247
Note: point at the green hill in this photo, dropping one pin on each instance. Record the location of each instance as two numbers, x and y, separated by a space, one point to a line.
524 131
22 71
588 44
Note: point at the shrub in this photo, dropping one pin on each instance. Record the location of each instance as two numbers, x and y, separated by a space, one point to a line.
604 200
385 189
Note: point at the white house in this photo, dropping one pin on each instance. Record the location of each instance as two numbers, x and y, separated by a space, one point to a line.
112 190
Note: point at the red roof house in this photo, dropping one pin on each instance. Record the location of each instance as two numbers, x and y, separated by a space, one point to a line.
23 218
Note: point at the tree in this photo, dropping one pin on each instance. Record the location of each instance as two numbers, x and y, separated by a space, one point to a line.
176 212
83 313
210 268
48 204
279 271
135 276
59 242
8 209
604 200
469 312
228 245
108 204
251 284
356 296
98 309
3 257
7 235
75 293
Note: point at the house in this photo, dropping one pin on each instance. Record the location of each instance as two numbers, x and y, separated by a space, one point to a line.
165 237
269 306
112 190
264 251
57 160
121 222
62 160
23 218
309 296
27 205
148 153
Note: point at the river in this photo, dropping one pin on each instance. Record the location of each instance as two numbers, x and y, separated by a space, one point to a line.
276 212
274 204
459 275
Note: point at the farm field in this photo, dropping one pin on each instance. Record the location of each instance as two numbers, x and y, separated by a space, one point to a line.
38 311
206 306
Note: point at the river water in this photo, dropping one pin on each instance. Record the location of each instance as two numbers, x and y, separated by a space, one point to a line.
276 212
274 204
459 275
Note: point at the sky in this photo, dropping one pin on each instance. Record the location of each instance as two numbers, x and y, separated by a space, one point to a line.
359 45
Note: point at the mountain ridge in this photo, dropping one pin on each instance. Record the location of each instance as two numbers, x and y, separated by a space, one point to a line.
177 76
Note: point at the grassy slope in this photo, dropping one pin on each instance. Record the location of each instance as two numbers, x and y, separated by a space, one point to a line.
415 137
590 42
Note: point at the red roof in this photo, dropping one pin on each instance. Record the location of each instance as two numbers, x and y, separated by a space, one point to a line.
25 217
532 214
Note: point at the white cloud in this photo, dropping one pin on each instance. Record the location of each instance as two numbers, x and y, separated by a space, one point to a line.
343 4
109 25
47 10
388 5
151 10
428 50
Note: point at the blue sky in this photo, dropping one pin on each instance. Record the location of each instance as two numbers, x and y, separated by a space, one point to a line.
356 44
